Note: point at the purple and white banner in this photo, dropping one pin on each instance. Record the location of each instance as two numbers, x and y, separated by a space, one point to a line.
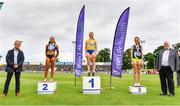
1 3
79 43
118 44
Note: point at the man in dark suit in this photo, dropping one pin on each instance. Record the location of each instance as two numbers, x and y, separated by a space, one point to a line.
14 60
166 63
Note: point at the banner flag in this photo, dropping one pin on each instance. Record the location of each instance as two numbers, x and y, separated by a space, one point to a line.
118 44
79 43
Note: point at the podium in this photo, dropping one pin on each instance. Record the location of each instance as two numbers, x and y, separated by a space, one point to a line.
137 90
91 85
46 87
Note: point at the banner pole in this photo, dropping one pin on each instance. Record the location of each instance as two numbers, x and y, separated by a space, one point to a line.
75 80
74 43
110 79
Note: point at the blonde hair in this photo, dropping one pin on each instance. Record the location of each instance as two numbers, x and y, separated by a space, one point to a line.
92 34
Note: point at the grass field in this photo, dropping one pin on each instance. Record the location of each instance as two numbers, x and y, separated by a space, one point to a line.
68 94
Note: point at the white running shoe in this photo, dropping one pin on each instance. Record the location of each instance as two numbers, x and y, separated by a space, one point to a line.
51 80
45 80
138 84
135 84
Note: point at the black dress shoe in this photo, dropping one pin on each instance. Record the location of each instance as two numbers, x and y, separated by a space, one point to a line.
171 95
163 94
18 94
93 74
89 74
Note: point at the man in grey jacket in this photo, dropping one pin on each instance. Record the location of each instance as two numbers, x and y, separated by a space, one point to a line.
166 63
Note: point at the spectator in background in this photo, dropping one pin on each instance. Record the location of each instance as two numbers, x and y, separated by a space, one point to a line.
178 72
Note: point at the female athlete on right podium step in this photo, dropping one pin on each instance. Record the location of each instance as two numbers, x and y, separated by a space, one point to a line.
137 60
91 49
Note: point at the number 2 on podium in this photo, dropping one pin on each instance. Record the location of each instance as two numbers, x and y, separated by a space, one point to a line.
45 86
92 82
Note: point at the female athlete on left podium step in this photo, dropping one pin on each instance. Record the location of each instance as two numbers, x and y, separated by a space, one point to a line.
52 52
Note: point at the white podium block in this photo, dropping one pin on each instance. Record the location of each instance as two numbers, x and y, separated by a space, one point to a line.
46 87
137 90
91 85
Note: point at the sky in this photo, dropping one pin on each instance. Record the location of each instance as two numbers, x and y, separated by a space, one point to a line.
34 21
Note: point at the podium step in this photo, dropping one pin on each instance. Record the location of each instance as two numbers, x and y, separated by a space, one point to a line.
137 90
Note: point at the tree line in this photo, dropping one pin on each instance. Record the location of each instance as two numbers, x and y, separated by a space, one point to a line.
148 58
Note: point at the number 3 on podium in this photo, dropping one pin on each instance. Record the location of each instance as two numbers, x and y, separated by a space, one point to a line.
92 82
45 87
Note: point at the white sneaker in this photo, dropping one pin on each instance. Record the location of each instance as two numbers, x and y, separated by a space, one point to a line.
135 84
45 80
138 84
51 80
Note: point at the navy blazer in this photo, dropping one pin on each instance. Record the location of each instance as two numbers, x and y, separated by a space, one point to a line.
10 61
